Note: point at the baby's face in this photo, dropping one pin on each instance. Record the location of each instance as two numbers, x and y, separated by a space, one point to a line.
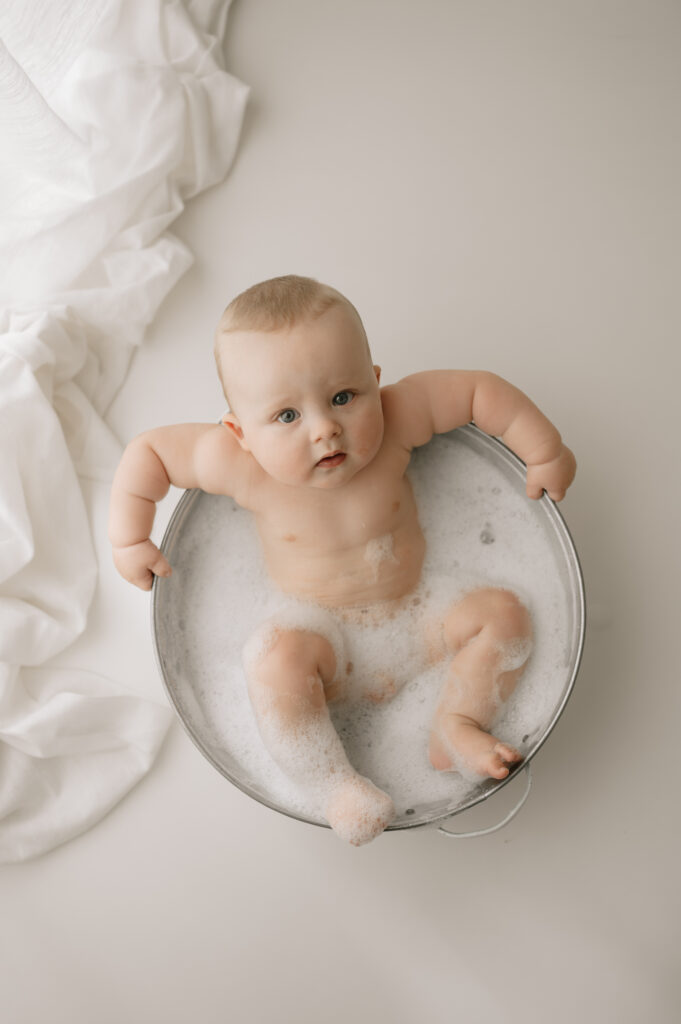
305 400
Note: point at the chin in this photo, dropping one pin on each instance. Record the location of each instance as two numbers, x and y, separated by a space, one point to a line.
329 483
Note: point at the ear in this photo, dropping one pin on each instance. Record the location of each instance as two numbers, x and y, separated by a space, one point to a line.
377 371
231 421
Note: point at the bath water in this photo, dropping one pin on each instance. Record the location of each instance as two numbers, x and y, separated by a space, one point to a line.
480 530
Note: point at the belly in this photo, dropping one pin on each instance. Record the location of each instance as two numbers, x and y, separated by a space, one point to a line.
383 568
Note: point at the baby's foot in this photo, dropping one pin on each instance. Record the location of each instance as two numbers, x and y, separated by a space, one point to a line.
459 744
358 811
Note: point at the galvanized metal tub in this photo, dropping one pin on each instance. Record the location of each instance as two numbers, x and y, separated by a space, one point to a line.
184 689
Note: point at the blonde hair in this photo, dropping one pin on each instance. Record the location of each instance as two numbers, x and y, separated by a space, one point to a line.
278 303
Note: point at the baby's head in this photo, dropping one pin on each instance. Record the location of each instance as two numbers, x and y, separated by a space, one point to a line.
296 369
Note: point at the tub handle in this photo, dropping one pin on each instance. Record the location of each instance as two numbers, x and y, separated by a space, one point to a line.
509 817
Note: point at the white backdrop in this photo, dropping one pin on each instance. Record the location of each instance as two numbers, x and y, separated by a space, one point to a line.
494 185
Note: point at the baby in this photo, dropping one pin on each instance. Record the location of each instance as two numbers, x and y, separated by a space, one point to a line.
318 452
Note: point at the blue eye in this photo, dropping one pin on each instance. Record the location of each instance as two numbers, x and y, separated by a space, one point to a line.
342 398
287 416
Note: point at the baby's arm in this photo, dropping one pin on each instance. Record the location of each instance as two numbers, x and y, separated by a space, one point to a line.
437 401
189 455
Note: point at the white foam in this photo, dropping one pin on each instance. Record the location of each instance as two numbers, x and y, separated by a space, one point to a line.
514 653
379 550
480 531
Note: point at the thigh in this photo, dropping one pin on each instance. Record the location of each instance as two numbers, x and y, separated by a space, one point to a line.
496 610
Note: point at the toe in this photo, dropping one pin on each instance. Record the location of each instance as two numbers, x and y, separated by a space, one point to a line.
359 811
508 754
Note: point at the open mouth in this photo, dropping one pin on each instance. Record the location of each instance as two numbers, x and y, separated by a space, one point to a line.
332 460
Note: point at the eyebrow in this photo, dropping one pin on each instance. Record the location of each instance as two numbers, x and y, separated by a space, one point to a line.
278 404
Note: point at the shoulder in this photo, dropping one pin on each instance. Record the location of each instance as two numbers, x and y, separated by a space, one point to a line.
406 413
223 467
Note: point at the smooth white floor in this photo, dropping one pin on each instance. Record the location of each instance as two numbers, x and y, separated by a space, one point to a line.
495 185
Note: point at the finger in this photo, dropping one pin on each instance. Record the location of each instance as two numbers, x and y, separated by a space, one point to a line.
142 580
161 566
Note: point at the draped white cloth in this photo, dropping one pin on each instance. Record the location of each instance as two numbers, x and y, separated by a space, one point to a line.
112 114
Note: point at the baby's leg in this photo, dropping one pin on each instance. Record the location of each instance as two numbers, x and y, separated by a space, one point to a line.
289 683
489 633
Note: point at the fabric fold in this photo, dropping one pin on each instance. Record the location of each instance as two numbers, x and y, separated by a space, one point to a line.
113 113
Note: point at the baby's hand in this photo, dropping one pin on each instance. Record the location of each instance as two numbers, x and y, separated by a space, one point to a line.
139 563
554 477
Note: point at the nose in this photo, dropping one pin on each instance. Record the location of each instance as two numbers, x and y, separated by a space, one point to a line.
324 427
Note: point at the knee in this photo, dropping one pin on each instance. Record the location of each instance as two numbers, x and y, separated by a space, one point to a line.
291 660
506 614
500 612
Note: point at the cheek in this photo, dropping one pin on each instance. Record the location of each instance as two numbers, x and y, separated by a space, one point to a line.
369 432
279 457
